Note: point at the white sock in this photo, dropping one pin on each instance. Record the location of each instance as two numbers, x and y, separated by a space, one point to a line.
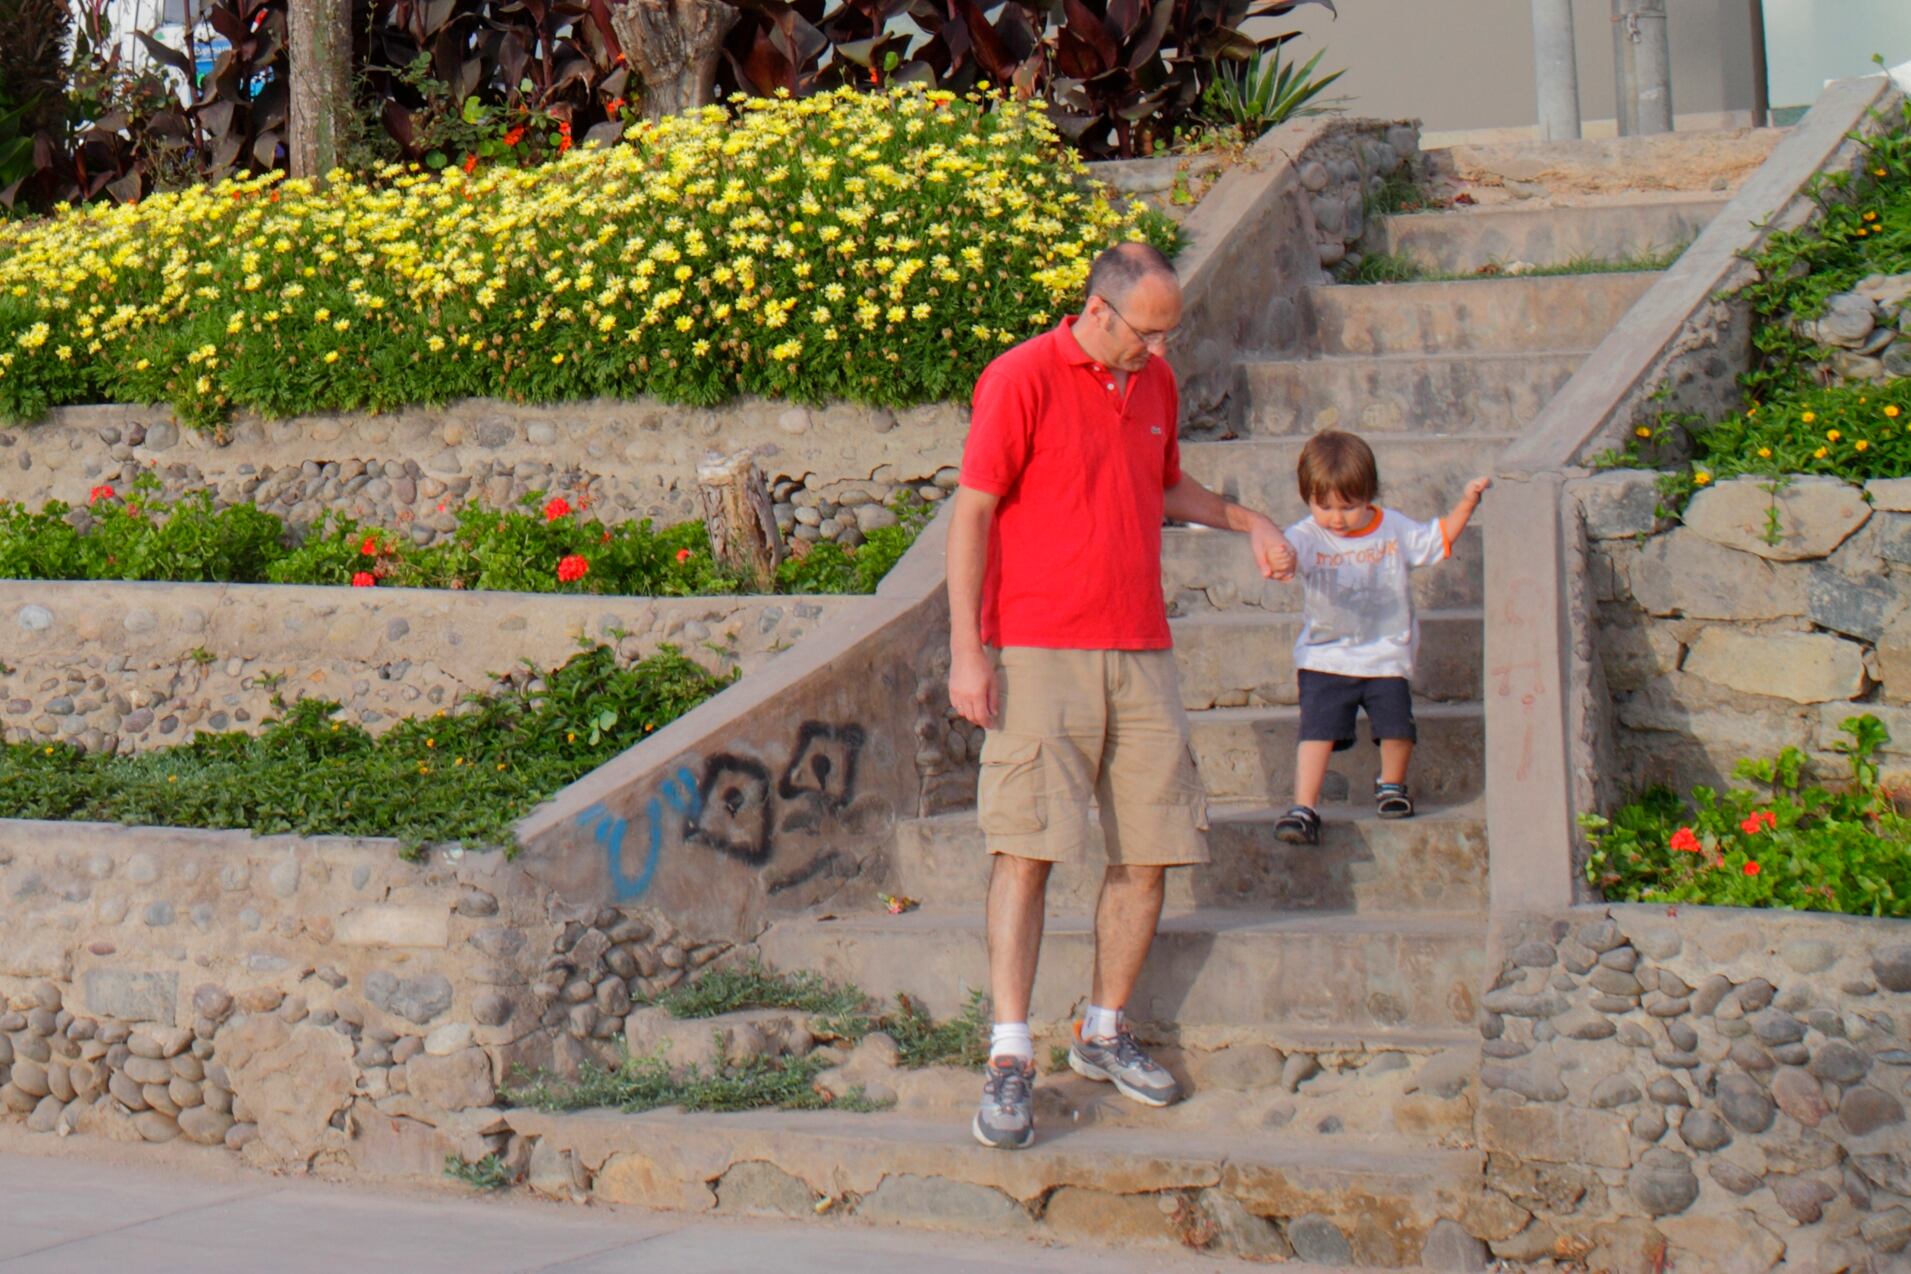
1011 1039
1100 1023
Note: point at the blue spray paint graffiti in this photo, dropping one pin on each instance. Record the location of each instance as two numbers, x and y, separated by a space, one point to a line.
608 830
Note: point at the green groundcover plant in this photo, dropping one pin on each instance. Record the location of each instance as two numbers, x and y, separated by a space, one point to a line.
1790 422
1780 842
545 546
465 776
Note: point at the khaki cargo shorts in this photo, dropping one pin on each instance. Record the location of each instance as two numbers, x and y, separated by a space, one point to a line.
1086 727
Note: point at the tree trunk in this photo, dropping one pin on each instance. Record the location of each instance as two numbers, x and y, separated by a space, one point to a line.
739 516
673 45
319 53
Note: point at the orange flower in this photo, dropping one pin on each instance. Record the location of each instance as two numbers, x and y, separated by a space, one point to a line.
515 136
470 163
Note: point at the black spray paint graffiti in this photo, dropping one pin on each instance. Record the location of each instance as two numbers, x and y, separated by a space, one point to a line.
735 809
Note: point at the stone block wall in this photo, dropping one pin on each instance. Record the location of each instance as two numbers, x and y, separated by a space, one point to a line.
1705 1088
832 469
309 1003
1762 620
130 666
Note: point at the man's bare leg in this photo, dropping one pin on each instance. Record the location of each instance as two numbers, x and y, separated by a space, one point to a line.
1018 891
1126 913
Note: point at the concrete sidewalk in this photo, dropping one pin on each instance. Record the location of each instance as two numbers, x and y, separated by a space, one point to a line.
89 1205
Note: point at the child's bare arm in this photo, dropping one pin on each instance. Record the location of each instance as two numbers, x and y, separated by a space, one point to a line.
1455 522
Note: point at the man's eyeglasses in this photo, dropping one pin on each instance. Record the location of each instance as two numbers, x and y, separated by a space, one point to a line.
1160 339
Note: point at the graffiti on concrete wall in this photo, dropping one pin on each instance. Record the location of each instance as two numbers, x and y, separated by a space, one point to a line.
737 809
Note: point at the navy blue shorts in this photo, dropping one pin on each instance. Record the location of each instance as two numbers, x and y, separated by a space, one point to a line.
1330 703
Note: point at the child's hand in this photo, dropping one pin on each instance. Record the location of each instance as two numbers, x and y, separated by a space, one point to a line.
1477 488
1272 553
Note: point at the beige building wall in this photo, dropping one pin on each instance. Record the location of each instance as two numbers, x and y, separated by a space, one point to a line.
1811 41
1468 64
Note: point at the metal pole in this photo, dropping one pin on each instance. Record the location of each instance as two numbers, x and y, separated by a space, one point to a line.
1639 37
1761 79
1555 70
1625 69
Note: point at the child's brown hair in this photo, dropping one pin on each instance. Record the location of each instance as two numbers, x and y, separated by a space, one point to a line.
1339 464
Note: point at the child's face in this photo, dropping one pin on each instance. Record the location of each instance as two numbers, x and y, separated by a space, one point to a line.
1338 514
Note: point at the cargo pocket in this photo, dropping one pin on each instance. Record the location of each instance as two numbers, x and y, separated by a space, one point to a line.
1194 790
1012 793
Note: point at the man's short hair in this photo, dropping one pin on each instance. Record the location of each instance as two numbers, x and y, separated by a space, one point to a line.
1116 271
1337 464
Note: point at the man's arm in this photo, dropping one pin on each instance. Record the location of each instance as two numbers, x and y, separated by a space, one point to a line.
1189 501
972 689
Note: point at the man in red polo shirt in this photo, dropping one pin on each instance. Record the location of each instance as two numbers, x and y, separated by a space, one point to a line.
1059 645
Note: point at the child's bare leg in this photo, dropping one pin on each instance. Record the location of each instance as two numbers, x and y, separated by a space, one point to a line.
1394 755
1310 771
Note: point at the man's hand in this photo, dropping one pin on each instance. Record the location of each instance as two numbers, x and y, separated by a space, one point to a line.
972 687
1272 553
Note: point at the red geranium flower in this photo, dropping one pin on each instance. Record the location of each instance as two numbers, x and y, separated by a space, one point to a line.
572 568
683 555
104 491
558 508
1759 821
364 579
470 163
1751 869
370 547
515 136
1685 841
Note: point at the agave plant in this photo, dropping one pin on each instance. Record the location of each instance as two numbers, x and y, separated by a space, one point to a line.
1260 92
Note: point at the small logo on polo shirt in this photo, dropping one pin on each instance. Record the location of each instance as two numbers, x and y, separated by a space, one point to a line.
1155 430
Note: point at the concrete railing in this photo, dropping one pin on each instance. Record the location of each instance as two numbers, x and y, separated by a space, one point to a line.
1680 348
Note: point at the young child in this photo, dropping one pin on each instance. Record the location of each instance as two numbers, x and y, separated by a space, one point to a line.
1358 634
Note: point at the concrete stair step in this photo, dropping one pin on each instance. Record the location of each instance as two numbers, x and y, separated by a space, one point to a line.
1208 970
1247 755
1461 241
1127 1186
1210 572
1564 312
1497 393
1245 658
1435 861
1421 475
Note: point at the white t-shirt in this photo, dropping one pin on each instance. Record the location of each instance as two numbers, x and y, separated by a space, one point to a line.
1358 611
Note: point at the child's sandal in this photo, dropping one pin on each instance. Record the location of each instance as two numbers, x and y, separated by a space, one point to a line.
1392 801
1299 826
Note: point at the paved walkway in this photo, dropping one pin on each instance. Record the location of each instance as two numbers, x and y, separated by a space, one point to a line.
83 1205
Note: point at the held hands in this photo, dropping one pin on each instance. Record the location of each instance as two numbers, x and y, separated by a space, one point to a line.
1272 553
972 687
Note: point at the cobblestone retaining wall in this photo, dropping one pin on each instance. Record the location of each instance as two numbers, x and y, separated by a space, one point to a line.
119 667
1761 621
832 469
1707 1088
306 1002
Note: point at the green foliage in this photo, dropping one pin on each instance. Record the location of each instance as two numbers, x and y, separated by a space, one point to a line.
838 1012
1386 267
1264 91
139 536
488 1173
647 1083
466 776
1398 193
1779 843
1791 421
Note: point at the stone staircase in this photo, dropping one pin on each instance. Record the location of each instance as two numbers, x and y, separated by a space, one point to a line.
1329 994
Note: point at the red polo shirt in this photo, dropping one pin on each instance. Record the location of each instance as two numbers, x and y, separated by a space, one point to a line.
1079 465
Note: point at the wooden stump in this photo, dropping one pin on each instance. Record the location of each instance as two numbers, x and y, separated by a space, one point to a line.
739 516
673 45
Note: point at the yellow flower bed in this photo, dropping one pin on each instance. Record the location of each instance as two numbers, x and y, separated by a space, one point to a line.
875 247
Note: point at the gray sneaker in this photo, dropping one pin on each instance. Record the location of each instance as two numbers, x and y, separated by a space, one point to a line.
1121 1061
1006 1118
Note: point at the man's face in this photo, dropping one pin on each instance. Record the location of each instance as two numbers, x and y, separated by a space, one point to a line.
1145 322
